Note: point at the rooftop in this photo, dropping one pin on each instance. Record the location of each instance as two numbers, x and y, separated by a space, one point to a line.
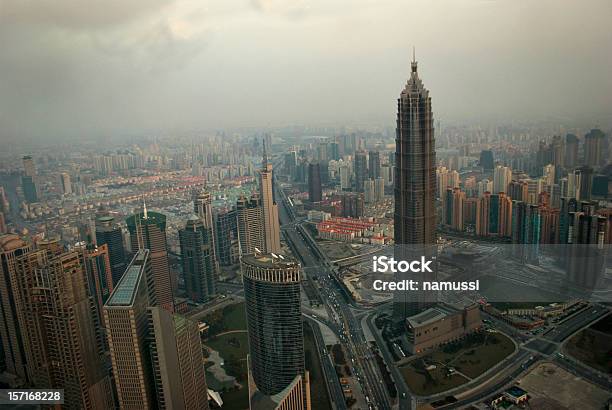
125 291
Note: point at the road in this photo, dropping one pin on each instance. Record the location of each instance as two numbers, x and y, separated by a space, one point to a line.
350 333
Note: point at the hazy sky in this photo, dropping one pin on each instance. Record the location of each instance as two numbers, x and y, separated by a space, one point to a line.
82 68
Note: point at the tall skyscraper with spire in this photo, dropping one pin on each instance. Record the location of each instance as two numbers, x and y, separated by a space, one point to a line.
270 209
415 178
148 231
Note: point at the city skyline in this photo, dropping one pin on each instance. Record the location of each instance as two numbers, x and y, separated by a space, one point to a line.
208 205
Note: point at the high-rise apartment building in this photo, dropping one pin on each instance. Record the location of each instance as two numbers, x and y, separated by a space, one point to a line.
58 327
11 304
571 151
274 323
269 207
352 205
501 179
594 148
109 233
148 231
197 260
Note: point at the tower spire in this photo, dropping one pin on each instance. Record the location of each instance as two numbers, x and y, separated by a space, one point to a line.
265 154
413 64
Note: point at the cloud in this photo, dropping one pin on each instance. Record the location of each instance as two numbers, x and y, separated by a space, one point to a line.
288 8
77 14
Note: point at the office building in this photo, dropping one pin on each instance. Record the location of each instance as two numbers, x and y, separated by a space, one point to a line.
439 325
271 225
345 180
109 233
415 181
314 183
202 207
156 356
361 170
249 220
227 235
274 323
125 315
374 164
197 260
148 231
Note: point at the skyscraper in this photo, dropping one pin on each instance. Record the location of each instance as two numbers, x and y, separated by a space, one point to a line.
125 315
594 148
361 170
415 165
59 328
99 282
156 356
202 206
197 260
269 207
274 323
65 183
11 304
249 220
415 182
28 180
374 164
109 233
314 183
571 151
226 231
486 160
501 179
148 231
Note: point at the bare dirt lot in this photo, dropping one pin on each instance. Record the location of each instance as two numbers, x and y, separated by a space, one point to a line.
543 385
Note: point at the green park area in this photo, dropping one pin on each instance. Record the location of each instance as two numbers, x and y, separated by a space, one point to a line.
456 363
228 336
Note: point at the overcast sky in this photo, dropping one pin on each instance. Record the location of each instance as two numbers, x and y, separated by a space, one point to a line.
83 68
